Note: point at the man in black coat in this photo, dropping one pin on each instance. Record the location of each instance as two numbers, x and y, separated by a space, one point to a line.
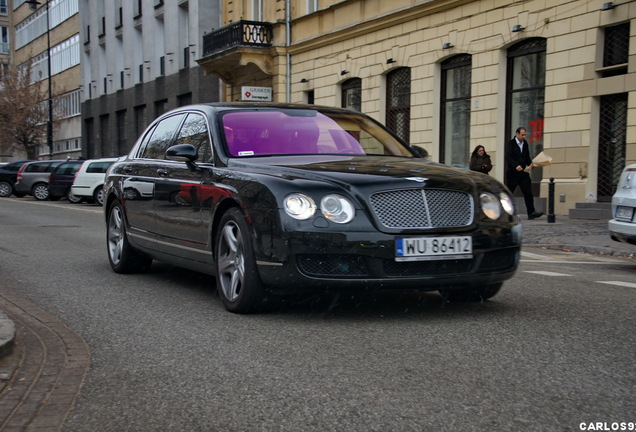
517 159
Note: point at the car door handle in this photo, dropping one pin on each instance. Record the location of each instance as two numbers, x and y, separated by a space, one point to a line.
162 172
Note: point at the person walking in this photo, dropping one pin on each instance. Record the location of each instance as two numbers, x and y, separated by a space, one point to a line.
480 161
517 159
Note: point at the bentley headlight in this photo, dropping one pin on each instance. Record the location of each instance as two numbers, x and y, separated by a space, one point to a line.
490 205
299 206
337 208
506 203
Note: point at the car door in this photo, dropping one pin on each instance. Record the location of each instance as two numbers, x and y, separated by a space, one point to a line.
181 197
140 175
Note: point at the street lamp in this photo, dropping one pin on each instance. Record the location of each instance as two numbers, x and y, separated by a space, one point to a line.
33 4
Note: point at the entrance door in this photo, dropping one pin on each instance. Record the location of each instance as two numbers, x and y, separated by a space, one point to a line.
611 149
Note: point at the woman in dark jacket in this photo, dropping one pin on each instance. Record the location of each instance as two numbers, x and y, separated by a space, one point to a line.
480 161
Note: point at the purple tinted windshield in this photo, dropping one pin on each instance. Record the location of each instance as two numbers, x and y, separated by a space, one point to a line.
257 133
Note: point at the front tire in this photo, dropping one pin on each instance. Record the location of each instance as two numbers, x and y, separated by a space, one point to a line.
122 256
238 281
40 191
472 294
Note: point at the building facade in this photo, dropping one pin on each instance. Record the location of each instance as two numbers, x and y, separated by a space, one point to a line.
138 61
448 75
46 37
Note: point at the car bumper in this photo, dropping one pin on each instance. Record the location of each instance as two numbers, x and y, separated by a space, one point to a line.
622 231
344 261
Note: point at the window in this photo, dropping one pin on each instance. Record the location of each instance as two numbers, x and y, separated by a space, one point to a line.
35 24
3 7
398 103
352 94
455 116
140 119
65 55
195 131
121 132
137 8
162 137
312 6
616 50
4 40
68 105
310 97
160 107
525 94
184 99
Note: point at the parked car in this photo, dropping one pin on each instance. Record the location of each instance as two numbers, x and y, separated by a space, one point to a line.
8 177
89 180
33 178
622 227
281 197
61 180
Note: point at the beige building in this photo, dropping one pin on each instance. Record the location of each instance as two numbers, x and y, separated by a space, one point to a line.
52 27
447 75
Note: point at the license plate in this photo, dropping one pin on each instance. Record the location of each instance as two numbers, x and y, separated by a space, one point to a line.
625 213
433 248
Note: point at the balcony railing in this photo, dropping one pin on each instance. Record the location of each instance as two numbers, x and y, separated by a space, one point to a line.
240 33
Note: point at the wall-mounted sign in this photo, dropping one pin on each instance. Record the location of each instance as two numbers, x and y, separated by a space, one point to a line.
256 94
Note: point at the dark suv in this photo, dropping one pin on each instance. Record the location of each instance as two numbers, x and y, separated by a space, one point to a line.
8 177
61 180
33 178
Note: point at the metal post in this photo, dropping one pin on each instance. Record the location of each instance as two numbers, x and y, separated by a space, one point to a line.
551 217
49 124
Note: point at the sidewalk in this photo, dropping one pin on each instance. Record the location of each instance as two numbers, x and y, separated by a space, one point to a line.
574 235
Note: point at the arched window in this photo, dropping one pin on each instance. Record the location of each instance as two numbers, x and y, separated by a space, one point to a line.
352 94
398 102
525 95
455 116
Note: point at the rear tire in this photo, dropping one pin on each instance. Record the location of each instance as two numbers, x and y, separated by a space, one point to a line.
40 191
122 256
73 198
98 195
6 189
238 281
472 294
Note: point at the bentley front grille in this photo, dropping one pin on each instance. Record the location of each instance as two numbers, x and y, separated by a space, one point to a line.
423 208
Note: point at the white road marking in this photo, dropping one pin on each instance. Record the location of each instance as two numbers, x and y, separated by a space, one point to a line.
619 283
547 273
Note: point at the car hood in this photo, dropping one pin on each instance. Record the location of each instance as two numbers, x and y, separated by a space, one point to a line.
367 171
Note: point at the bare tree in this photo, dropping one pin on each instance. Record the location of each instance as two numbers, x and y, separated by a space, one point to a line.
23 111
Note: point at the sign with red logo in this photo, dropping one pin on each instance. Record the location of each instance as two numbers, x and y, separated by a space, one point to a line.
262 94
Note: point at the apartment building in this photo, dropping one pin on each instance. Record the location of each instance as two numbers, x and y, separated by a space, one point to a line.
447 75
138 61
46 37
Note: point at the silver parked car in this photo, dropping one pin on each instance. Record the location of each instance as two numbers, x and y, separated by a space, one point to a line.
33 178
623 225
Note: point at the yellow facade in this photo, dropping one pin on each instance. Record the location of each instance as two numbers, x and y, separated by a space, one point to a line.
356 38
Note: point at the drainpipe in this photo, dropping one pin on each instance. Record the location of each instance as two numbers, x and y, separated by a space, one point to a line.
287 44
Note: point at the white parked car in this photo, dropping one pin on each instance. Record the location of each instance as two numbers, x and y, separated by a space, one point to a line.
89 180
623 225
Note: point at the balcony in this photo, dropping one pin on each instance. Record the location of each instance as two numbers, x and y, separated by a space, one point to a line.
239 50
241 33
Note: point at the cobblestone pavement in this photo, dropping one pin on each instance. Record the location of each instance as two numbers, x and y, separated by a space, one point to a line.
43 363
42 374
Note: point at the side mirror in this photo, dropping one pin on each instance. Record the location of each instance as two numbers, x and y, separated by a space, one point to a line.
182 153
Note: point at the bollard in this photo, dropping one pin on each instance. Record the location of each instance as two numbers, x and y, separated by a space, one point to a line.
551 217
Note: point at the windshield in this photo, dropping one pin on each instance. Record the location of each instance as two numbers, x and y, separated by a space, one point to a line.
286 132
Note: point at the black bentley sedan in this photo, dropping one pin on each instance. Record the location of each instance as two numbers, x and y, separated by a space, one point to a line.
279 197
